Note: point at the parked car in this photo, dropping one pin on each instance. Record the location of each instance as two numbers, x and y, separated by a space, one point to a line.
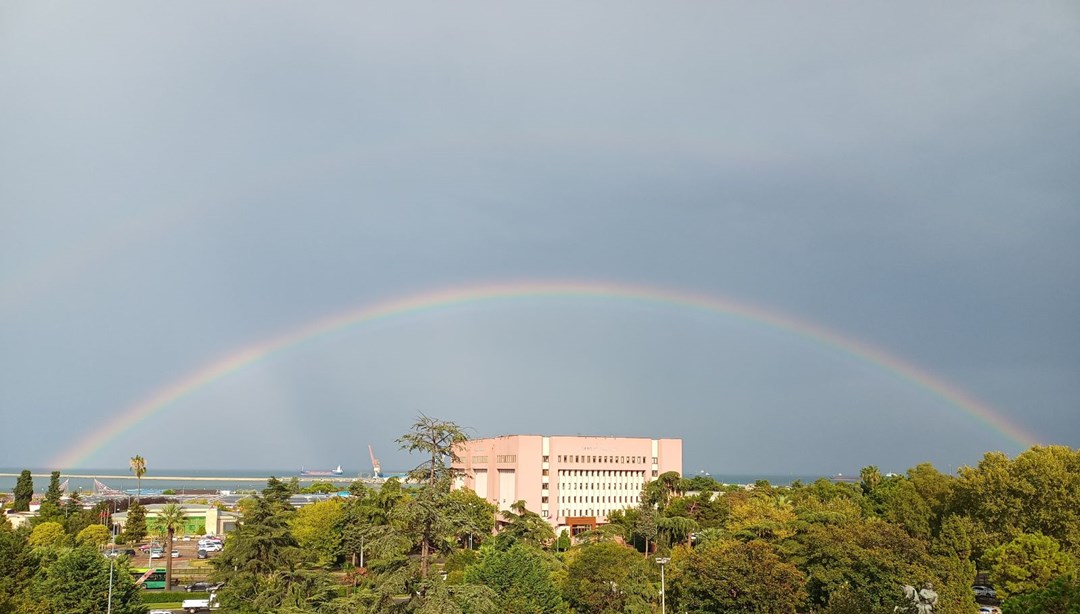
984 591
212 547
197 587
201 554
175 554
200 605
157 553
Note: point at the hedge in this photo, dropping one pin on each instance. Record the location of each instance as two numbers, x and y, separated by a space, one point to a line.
171 596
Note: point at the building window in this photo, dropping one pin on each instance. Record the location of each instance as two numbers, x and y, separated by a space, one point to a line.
479 459
654 473
543 499
546 457
506 458
545 471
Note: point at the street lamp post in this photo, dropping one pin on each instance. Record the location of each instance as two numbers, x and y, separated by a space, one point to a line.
662 560
112 564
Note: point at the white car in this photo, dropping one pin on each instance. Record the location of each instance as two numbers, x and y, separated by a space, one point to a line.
983 591
211 546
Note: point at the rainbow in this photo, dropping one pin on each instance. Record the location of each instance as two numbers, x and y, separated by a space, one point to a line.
245 357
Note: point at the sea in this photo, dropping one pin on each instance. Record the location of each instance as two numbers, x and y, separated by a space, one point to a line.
157 480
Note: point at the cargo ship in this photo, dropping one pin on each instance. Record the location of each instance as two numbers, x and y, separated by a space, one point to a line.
309 472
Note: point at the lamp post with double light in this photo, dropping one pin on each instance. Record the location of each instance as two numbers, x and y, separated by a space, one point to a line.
662 560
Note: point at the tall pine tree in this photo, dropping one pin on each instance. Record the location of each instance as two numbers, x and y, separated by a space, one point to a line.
24 491
135 527
50 506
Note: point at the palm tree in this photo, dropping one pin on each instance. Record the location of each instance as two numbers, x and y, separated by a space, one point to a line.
171 519
871 478
138 466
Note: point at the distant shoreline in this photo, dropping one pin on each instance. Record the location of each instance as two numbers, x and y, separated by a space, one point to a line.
175 478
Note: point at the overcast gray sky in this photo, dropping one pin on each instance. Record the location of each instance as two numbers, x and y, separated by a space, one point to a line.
182 180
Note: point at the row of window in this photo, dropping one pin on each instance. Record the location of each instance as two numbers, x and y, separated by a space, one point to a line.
584 512
608 499
499 458
603 458
601 473
599 486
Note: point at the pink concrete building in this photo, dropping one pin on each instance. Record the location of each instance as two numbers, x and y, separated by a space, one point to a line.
567 480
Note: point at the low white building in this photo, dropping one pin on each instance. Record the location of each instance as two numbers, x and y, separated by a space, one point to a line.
198 519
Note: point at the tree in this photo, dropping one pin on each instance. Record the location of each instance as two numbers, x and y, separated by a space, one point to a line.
259 562
645 524
761 515
659 491
315 528
871 559
525 526
702 483
1027 564
24 491
278 493
608 577
733 576
17 566
319 488
676 529
563 543
1062 596
262 565
48 534
135 526
96 535
472 517
870 479
519 577
438 440
704 508
138 467
50 505
170 519
907 508
78 581
1038 492
262 543
425 524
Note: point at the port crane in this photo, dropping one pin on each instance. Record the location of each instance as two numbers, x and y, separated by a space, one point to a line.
376 467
